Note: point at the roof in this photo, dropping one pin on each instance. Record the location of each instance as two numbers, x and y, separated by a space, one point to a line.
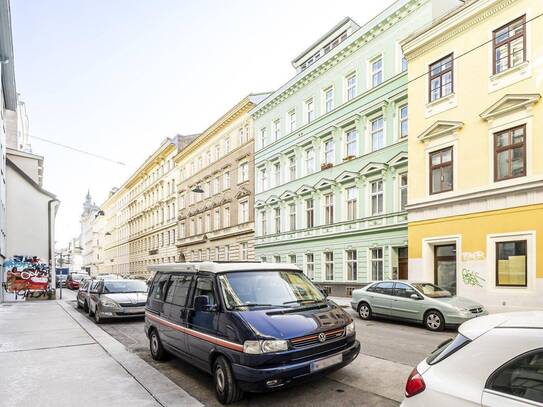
478 326
217 267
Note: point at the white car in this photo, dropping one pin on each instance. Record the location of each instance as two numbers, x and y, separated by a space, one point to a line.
495 361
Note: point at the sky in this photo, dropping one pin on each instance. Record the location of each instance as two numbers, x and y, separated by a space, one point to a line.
116 77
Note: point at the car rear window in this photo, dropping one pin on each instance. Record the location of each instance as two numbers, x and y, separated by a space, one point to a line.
447 348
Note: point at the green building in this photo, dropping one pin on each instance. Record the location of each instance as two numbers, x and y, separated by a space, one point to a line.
331 153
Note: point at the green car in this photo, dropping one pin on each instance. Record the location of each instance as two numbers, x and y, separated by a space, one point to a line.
413 301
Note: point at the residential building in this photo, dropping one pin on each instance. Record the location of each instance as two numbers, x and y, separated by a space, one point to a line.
331 189
70 256
217 222
475 153
91 236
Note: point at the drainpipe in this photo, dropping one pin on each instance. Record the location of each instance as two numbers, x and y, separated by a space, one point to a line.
52 269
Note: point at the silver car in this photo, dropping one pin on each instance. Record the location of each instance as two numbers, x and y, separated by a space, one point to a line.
115 299
413 301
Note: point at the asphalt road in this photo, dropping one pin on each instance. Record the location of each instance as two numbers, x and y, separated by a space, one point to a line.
376 378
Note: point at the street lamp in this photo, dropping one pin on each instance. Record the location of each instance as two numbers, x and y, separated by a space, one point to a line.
197 190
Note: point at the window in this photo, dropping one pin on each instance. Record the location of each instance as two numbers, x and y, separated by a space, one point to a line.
242 136
217 152
352 200
522 377
511 263
277 216
208 222
292 258
328 266
204 286
217 253
292 216
309 160
276 129
226 217
262 138
277 173
244 212
509 45
403 290
510 153
441 171
208 253
310 266
376 263
158 288
227 252
377 72
244 251
376 197
263 179
292 168
329 156
292 120
403 114
226 180
403 191
351 143
309 213
217 185
243 172
263 223
263 259
227 145
350 81
181 201
217 219
182 230
328 99
309 110
352 265
208 157
403 63
377 135
328 209
441 78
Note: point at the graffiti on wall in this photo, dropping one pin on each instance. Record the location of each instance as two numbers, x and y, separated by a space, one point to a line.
26 274
471 278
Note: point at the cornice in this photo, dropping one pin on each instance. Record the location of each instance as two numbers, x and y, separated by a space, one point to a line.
452 25
335 59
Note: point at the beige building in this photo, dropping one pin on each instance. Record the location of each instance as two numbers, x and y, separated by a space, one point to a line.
217 223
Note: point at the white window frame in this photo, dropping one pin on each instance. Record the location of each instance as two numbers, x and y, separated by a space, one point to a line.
226 216
355 142
291 120
292 167
292 216
243 172
244 251
325 262
328 99
276 129
371 261
352 262
277 173
310 169
372 73
262 138
372 132
400 121
243 211
402 189
351 88
277 220
263 223
351 204
376 194
309 115
309 273
328 208
307 210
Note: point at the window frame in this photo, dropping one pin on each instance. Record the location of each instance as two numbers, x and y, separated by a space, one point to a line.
509 148
351 89
440 75
309 213
326 100
496 260
309 263
354 142
380 260
352 263
432 167
380 71
277 220
379 130
328 208
328 262
402 120
377 194
352 203
508 42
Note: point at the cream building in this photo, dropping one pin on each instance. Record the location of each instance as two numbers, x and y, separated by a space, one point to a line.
218 222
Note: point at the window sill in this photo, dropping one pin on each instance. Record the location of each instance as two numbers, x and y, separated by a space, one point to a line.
509 77
509 71
440 105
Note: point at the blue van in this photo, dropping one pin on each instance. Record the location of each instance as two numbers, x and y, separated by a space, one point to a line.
254 326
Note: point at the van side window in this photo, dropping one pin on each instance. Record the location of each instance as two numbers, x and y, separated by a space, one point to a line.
158 288
178 289
204 286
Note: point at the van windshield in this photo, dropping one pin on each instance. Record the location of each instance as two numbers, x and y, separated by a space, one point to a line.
268 288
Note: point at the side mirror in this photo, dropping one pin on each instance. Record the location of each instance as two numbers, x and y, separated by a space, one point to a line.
201 303
323 291
414 297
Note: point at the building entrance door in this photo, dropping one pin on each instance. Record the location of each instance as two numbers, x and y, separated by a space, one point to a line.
445 267
402 263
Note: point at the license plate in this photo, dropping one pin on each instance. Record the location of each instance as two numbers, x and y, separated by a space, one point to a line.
133 310
324 363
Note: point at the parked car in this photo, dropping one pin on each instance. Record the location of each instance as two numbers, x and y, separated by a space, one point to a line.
83 293
73 280
253 326
495 361
117 299
61 280
424 303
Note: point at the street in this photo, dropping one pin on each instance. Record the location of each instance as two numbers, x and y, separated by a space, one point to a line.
376 378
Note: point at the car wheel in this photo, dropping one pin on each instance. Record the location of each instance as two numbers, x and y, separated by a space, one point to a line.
364 311
78 304
434 321
86 306
226 388
91 314
97 318
155 346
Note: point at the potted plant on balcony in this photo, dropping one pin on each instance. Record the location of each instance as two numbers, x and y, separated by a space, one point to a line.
325 166
348 158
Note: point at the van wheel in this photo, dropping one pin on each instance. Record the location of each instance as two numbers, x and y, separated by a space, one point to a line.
226 388
364 311
155 346
434 321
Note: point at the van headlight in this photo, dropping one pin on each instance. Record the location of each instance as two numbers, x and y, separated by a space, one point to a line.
350 329
266 346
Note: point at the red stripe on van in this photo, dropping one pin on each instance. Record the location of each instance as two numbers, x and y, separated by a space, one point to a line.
196 334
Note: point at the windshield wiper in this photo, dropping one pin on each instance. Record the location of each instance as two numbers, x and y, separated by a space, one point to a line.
249 305
302 301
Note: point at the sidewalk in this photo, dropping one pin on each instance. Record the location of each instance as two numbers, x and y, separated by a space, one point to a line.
50 355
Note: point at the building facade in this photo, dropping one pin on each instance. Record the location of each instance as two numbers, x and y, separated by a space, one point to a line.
475 153
91 236
217 222
331 154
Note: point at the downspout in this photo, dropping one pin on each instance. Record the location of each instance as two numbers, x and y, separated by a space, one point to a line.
52 270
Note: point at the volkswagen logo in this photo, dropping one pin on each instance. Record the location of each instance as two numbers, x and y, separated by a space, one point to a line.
322 337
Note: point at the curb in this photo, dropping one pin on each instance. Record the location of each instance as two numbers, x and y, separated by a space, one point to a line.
163 390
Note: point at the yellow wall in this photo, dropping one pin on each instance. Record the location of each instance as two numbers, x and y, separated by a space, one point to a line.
474 229
471 73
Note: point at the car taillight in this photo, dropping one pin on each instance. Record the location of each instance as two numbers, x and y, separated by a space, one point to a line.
415 384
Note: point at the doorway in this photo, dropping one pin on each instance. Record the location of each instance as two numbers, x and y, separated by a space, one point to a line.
402 263
445 267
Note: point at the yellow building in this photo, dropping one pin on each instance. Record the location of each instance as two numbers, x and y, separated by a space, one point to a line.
476 153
